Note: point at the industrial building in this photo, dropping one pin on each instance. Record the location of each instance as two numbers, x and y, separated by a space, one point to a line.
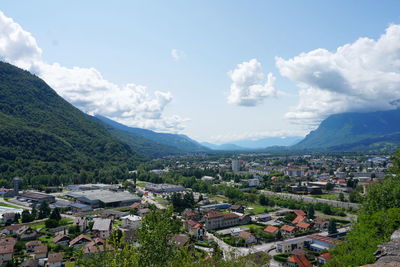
164 188
104 198
36 197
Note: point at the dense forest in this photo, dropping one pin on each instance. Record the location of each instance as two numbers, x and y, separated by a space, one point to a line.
47 141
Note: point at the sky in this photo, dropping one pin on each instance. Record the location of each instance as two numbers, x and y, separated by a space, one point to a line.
217 71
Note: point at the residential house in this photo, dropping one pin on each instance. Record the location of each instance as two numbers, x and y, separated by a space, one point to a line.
55 259
61 239
8 217
82 223
324 258
265 217
303 226
26 233
288 246
11 229
321 223
237 208
180 240
299 213
80 241
195 229
248 237
96 246
40 252
270 229
29 263
131 221
321 243
30 246
298 261
6 252
298 219
58 230
101 228
288 230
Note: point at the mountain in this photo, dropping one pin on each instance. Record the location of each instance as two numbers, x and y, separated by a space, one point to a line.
42 135
170 143
223 147
355 132
247 144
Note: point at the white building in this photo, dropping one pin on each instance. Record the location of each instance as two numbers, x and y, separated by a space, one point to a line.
131 221
235 165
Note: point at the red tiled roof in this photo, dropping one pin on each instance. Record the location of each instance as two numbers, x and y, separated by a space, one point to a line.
298 219
8 241
78 238
213 214
288 228
299 213
245 235
41 249
271 229
230 215
327 256
59 237
7 249
300 260
55 257
303 225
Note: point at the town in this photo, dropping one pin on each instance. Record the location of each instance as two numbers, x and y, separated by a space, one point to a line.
291 209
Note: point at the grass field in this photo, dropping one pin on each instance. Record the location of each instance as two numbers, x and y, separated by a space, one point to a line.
2 204
159 199
218 198
327 196
256 209
141 183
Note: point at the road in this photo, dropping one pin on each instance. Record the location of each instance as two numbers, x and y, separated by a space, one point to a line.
334 203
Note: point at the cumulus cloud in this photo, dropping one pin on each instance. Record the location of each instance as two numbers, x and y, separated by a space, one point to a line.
359 76
86 88
177 54
248 86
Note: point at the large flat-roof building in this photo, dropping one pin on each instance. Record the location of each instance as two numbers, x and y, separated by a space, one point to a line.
37 197
164 188
104 198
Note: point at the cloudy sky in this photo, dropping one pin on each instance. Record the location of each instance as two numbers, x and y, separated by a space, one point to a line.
215 70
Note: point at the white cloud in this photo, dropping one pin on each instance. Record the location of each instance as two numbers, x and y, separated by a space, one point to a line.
226 138
86 88
177 54
248 87
360 76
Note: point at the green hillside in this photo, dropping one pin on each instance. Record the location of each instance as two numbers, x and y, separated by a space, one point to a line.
44 139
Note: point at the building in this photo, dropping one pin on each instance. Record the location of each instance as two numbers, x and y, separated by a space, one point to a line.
6 252
164 188
79 207
81 222
104 198
324 258
215 220
288 246
86 187
254 182
40 252
235 165
101 228
5 192
321 243
218 206
55 260
79 241
61 239
26 233
270 229
17 183
247 237
37 197
264 217
131 222
298 260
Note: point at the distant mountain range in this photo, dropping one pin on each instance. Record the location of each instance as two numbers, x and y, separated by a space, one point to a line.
355 132
247 144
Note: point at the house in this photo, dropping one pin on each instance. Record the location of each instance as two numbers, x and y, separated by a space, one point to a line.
113 214
8 217
29 263
8 241
254 182
288 230
6 252
298 261
80 241
321 243
299 213
195 229
30 246
298 219
55 260
40 252
101 228
58 230
97 245
288 246
273 230
321 223
26 233
6 192
265 217
180 240
248 237
61 239
131 221
11 229
82 223
324 258
302 226
237 208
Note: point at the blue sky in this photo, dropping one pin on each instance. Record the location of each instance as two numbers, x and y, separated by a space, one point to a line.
131 42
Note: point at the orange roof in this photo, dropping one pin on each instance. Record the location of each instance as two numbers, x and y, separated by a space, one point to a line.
288 228
327 256
341 181
299 213
303 225
271 229
300 260
298 219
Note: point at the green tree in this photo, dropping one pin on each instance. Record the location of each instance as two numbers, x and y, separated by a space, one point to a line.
310 212
341 197
263 200
44 210
332 229
34 212
26 216
55 214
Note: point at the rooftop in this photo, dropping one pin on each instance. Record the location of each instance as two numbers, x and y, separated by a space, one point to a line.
105 196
